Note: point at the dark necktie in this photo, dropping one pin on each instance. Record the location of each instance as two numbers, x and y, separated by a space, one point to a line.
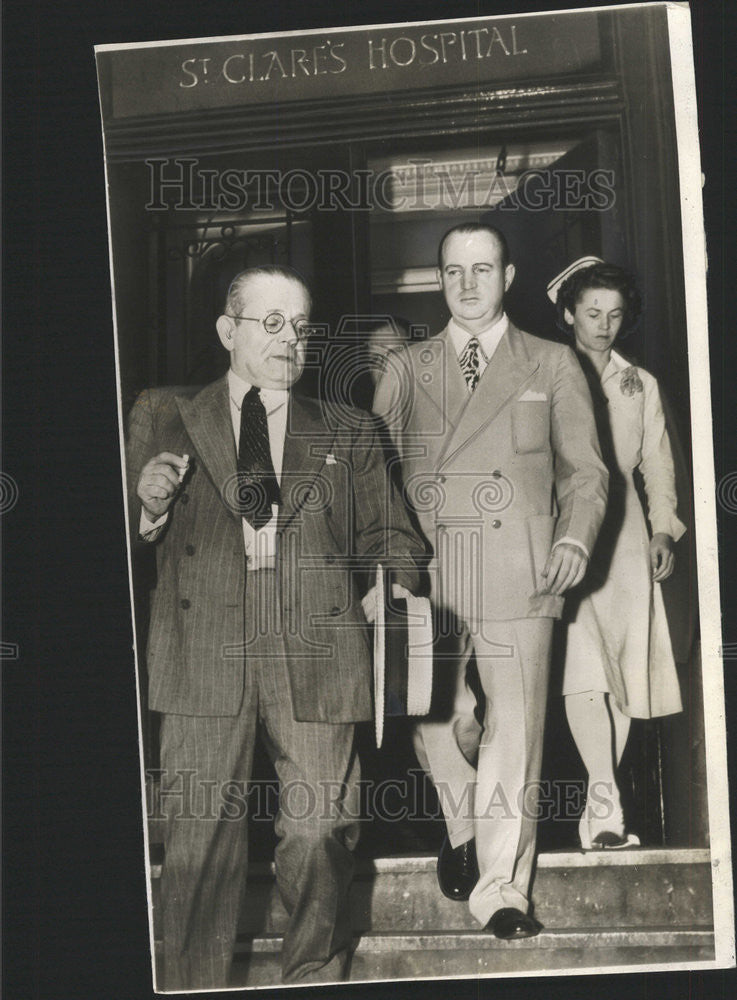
257 485
469 362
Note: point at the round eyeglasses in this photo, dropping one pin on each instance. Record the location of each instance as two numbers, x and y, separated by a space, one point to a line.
274 322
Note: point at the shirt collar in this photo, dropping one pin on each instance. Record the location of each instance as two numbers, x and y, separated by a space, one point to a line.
488 338
238 387
615 365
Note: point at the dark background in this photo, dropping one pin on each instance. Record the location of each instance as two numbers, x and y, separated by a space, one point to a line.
74 917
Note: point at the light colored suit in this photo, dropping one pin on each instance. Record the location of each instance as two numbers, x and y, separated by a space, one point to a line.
496 477
287 647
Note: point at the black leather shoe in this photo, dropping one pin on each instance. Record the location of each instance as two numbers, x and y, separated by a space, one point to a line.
606 840
458 870
511 924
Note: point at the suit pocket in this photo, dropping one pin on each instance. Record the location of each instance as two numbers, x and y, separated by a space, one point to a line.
530 426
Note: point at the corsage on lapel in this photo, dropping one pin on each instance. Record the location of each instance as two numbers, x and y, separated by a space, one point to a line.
630 383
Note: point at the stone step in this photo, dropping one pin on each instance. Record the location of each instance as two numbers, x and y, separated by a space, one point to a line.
636 888
410 956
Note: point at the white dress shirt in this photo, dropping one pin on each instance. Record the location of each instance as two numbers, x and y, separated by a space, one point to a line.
488 339
260 546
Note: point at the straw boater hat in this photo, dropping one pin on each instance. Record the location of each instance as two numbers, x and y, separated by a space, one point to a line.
403 655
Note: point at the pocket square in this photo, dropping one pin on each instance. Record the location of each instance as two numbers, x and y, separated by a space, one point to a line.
330 460
533 397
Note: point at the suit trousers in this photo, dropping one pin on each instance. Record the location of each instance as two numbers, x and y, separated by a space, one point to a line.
206 765
497 800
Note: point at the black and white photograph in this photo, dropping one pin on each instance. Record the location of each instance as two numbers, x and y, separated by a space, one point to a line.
414 396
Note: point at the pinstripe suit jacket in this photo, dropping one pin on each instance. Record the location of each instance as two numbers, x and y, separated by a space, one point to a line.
340 516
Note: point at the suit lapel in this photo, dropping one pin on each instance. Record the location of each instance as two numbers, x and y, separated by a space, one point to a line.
439 379
307 441
446 386
509 367
207 420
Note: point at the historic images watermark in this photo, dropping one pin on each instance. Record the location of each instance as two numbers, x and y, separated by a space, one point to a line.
183 184
9 492
184 795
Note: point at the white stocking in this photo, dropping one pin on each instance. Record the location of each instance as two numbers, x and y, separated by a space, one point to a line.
600 732
621 728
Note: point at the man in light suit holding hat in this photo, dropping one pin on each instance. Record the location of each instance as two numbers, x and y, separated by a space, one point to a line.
499 453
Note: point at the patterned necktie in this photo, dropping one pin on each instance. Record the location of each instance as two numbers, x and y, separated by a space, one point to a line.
469 362
257 485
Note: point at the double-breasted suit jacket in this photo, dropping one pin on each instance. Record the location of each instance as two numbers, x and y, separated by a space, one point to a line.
340 513
498 476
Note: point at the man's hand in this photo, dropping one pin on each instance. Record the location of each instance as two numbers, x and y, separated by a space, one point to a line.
368 602
662 559
565 568
159 481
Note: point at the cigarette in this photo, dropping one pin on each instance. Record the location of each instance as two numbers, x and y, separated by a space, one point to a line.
182 472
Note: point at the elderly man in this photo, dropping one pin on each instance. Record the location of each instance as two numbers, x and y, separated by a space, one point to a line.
262 511
499 454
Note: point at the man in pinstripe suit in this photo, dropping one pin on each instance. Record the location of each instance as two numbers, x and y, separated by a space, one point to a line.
255 619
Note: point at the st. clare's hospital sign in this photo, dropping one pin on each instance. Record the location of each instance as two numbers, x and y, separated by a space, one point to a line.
186 76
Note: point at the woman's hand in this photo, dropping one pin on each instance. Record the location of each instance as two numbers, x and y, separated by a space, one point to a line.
662 559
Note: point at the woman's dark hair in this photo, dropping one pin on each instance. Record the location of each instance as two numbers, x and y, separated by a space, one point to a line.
600 276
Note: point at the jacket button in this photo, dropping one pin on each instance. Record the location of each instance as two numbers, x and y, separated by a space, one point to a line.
330 560
335 610
184 498
441 479
496 473
496 524
329 511
189 549
184 603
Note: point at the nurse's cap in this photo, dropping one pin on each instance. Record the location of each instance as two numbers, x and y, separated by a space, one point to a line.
554 286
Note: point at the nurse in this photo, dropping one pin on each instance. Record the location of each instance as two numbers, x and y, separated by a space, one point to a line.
619 661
